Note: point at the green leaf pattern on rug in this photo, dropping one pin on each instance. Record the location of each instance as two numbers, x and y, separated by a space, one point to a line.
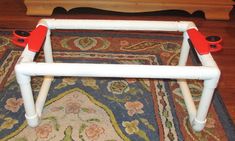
118 87
93 120
144 45
3 42
8 123
165 113
68 134
174 59
131 127
66 82
145 84
105 44
85 43
81 130
116 99
90 82
168 124
64 42
146 123
54 121
134 91
143 135
171 47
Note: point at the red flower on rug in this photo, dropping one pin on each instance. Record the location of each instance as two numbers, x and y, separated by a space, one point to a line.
43 131
13 104
72 107
134 107
93 131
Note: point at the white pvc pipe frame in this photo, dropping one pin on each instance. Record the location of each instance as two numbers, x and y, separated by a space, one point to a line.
209 72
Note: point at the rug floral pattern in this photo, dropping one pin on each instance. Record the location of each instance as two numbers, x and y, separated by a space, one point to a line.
104 109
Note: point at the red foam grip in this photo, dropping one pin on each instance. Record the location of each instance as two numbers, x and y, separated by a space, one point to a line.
199 41
37 38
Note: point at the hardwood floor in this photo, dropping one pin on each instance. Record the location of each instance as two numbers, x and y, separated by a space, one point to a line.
12 15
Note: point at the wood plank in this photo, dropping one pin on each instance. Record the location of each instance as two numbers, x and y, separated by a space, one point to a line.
218 10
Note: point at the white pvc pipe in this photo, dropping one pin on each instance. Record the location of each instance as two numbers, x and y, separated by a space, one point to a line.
43 94
184 50
47 79
117 25
26 56
47 48
204 105
27 95
190 106
207 60
117 70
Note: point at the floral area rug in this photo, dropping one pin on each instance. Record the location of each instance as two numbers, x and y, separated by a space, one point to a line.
106 109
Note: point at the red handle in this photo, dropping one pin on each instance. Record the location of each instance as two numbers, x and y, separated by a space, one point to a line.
20 37
214 43
199 41
37 38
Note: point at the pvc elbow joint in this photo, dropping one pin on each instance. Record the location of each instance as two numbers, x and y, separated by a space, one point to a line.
213 82
46 22
185 25
20 77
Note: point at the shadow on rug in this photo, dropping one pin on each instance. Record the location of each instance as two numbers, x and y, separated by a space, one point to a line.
105 109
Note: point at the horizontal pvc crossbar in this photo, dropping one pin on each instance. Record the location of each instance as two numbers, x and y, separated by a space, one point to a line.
117 70
117 25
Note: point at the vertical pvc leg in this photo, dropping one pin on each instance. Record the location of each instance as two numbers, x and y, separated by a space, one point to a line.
191 108
47 48
204 105
27 95
207 93
43 94
47 79
184 51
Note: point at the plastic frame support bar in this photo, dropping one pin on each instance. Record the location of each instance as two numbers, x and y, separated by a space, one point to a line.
208 72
